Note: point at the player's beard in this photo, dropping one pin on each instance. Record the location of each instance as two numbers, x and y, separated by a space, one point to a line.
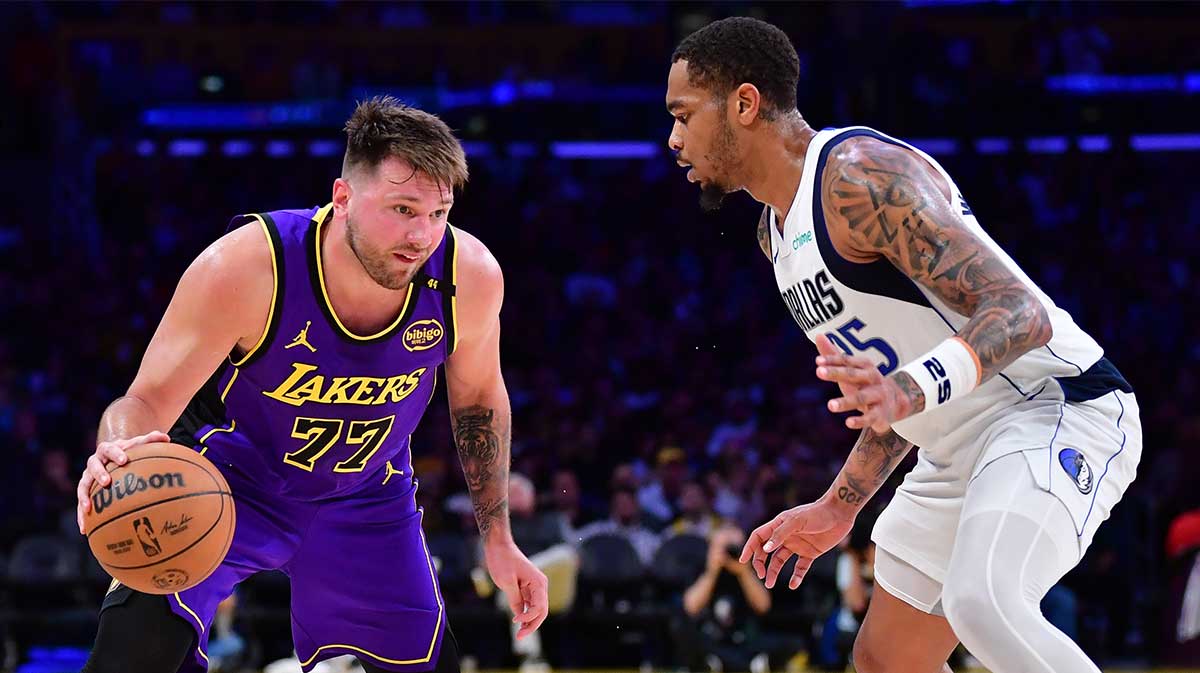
723 154
375 262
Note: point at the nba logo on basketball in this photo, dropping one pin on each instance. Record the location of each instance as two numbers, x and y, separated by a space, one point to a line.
145 535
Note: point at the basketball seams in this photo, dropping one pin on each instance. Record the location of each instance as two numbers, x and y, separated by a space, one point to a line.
199 539
196 465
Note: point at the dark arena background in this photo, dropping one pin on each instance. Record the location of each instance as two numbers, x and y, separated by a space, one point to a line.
656 377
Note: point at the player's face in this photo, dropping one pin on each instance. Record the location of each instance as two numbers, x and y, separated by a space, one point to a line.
395 220
702 137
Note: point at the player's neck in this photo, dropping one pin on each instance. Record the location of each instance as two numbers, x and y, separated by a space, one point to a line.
776 163
356 297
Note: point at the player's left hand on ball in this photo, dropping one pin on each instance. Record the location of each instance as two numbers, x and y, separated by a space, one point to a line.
522 583
878 398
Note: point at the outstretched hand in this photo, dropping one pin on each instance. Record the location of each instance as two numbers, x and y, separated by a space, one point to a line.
805 532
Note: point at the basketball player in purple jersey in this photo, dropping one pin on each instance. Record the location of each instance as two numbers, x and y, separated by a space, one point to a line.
298 354
1028 434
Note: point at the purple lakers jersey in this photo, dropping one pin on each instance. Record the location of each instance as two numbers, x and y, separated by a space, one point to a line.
315 411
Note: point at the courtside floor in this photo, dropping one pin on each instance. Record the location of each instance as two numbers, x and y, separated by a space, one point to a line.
803 670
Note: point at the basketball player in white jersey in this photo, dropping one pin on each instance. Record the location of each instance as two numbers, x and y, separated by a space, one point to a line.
1028 436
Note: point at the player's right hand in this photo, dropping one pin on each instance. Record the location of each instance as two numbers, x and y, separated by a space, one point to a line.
97 470
805 532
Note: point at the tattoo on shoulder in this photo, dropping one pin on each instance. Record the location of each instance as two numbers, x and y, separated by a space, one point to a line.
893 206
764 231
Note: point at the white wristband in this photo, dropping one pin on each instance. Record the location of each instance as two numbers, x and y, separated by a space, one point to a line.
949 371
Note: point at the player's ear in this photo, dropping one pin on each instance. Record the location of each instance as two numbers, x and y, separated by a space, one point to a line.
341 195
747 101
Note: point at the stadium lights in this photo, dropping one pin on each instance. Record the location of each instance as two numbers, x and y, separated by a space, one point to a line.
641 149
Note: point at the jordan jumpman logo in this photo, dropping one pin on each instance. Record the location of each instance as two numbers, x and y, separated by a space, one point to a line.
302 339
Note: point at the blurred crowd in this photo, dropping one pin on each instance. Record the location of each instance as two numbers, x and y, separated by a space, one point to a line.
660 390
658 386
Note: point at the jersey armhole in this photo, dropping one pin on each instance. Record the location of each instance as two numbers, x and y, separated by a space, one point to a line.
449 298
277 279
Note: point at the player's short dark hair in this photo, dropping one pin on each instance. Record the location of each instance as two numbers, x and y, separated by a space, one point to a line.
727 53
384 127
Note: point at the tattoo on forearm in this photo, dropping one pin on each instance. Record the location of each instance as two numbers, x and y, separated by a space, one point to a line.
483 442
894 207
911 390
872 461
764 231
488 513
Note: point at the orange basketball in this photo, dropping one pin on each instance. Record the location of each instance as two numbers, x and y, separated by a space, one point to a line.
164 523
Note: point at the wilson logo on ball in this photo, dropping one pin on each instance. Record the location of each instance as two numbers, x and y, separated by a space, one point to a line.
132 484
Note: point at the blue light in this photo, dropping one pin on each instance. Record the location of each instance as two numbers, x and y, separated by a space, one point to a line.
1094 84
604 150
237 148
1046 145
324 148
504 93
1094 143
522 150
280 148
187 147
146 148
993 145
1167 142
477 149
937 146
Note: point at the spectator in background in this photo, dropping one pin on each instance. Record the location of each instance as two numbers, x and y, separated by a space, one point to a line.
1182 616
738 427
54 491
624 519
566 502
696 516
225 646
539 536
659 499
533 531
855 581
721 611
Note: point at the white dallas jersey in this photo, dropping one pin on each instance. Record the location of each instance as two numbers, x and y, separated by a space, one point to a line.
876 311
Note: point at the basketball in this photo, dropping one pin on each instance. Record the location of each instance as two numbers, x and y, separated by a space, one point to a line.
164 523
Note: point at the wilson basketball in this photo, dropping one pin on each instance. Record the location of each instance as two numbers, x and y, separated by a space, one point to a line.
164 523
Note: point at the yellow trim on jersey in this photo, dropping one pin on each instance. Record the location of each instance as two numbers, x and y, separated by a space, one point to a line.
436 629
322 213
320 220
189 611
274 291
232 425
230 384
197 618
454 297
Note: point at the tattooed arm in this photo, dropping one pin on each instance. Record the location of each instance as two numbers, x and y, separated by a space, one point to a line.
483 442
480 415
764 232
883 200
807 531
481 418
871 461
